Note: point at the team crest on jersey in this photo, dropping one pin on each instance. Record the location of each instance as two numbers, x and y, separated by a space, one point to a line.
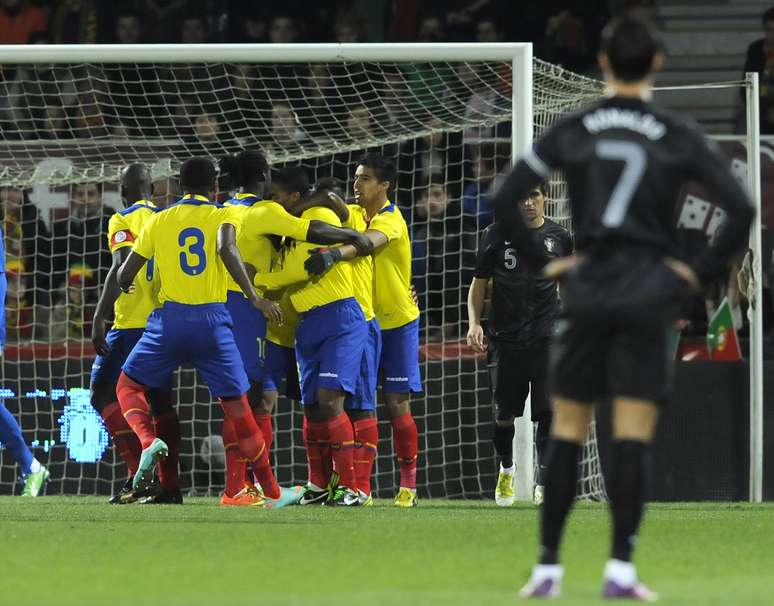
550 244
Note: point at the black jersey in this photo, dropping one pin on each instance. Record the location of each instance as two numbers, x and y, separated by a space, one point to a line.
524 303
624 161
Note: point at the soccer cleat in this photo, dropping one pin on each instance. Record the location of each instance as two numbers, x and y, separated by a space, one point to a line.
333 484
505 493
288 496
366 500
122 495
34 482
344 497
637 592
247 497
314 496
150 456
538 495
406 497
545 582
164 497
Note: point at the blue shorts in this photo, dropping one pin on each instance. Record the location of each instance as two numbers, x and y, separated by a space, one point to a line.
249 329
280 363
399 368
200 335
364 397
329 346
121 341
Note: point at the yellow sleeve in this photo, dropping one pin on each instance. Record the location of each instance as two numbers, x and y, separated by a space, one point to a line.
145 244
233 215
387 222
270 218
119 233
292 272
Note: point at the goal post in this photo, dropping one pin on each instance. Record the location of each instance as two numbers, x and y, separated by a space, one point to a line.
482 100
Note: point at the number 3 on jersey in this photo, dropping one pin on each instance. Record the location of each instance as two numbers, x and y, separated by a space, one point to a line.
191 240
635 161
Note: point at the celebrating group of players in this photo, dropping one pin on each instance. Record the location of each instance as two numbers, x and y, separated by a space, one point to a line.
242 292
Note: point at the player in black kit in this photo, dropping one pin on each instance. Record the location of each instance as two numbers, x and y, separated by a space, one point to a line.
624 161
523 311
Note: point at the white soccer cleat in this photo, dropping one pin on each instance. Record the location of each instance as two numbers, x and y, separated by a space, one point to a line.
538 495
545 582
505 491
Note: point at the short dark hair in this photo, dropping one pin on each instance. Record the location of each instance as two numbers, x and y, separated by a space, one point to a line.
768 16
383 168
197 175
543 187
630 42
330 183
238 170
292 178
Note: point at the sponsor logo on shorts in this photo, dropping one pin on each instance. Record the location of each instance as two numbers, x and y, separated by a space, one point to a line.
396 379
329 375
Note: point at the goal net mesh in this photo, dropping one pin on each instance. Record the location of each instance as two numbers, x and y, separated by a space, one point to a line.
65 132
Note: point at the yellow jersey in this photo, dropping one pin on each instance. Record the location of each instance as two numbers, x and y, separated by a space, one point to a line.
131 309
334 285
362 267
393 304
182 239
261 219
284 334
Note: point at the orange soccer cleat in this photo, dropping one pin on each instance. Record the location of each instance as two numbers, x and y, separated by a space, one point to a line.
249 496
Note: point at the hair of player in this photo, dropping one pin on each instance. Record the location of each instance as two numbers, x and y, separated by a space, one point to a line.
383 168
630 43
543 187
228 169
292 179
198 176
243 169
330 183
767 16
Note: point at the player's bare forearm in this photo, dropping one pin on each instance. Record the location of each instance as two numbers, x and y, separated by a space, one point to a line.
232 259
377 239
476 296
129 269
324 233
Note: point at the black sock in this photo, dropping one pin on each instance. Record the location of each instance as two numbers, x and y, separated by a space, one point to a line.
628 487
503 443
561 483
541 442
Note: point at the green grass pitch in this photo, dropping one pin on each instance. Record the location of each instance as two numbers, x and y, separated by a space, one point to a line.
80 551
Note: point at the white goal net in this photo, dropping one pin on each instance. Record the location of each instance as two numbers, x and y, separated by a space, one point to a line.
65 131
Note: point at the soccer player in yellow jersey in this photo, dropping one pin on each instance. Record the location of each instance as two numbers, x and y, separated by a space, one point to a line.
262 219
193 244
396 311
130 315
329 346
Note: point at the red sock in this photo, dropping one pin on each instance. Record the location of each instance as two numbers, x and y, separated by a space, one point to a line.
265 423
236 464
406 439
342 440
316 439
134 406
366 439
251 444
124 439
167 428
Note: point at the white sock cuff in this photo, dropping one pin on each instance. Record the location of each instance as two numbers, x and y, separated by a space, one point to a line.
35 466
511 469
623 573
547 571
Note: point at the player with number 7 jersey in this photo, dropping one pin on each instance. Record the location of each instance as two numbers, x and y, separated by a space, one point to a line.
193 243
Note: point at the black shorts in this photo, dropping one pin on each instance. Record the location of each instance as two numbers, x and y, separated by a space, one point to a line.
613 337
515 372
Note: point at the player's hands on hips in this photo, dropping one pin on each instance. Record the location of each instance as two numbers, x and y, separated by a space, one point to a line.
413 294
98 337
321 260
476 339
684 272
270 309
556 269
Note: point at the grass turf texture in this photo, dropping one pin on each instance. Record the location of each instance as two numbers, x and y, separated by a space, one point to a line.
79 550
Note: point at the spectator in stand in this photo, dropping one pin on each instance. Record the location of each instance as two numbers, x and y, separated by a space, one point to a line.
28 265
286 132
322 104
283 30
571 36
347 28
427 80
75 22
194 30
359 123
129 28
80 236
166 191
72 314
488 31
19 19
760 58
163 18
443 245
89 121
477 196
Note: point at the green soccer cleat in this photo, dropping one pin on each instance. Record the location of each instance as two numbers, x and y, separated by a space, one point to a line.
34 482
288 496
157 451
344 497
505 491
406 497
366 500
333 484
